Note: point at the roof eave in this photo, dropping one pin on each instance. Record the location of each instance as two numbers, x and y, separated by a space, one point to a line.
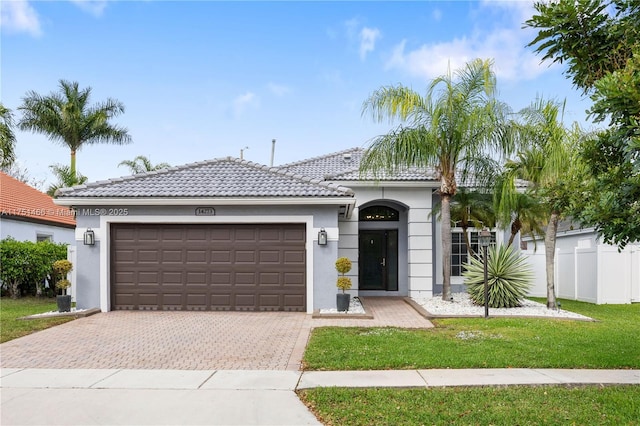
197 201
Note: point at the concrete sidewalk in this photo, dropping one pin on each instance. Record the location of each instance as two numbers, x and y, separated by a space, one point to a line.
227 397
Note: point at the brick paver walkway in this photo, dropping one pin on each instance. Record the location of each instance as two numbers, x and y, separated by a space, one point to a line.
188 340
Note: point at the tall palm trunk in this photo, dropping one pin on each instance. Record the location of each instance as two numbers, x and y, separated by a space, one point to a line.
446 246
72 167
550 251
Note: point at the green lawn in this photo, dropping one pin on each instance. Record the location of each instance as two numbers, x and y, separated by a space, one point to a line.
514 405
611 342
10 310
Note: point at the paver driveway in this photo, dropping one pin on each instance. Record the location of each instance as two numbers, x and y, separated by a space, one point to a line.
189 340
163 340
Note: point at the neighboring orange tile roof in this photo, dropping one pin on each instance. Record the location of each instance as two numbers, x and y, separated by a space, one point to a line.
19 200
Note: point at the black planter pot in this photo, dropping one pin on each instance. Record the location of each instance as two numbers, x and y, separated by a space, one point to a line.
64 303
342 301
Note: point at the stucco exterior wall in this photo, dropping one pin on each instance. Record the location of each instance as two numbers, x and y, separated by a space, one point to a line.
415 276
93 286
28 231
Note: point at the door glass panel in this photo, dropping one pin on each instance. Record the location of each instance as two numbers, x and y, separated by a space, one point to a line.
392 260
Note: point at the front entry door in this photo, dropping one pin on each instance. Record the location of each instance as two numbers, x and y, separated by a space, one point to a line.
378 260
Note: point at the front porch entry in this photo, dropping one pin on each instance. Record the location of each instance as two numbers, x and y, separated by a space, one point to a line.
382 249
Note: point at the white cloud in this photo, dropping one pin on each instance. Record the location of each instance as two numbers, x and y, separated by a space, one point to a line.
436 14
94 7
18 16
243 102
505 44
278 89
368 38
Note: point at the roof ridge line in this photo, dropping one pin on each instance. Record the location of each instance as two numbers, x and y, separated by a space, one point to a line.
320 157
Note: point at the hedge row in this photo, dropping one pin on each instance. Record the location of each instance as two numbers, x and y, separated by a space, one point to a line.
26 266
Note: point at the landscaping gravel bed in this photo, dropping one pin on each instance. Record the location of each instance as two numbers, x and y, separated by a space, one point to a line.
462 305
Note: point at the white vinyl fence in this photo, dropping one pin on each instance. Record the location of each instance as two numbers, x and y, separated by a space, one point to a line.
598 274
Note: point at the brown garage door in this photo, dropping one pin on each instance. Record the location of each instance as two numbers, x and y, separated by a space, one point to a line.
208 267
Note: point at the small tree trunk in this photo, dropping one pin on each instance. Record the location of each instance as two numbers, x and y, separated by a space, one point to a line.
550 251
446 245
515 228
466 240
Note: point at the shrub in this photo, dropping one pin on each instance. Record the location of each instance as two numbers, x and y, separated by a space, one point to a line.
508 278
62 267
63 284
343 265
26 265
344 283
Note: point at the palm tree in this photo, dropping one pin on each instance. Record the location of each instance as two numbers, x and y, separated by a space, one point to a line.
453 127
520 210
142 164
65 178
469 209
7 138
548 164
67 118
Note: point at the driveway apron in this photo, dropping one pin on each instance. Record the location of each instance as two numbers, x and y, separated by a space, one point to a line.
163 340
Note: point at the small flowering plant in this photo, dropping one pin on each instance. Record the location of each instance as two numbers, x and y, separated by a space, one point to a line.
343 265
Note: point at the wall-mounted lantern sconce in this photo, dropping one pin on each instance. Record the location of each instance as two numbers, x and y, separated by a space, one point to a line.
322 237
89 237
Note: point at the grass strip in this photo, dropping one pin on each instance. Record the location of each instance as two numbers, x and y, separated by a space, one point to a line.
610 342
513 405
12 309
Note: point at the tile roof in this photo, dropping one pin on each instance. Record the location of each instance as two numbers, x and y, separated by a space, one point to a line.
219 178
19 200
345 166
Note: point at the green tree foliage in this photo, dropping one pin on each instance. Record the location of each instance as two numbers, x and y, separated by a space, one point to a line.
517 209
26 265
470 209
452 128
509 277
65 179
67 117
600 43
142 164
549 164
7 138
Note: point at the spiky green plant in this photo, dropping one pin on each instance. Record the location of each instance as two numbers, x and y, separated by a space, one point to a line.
509 276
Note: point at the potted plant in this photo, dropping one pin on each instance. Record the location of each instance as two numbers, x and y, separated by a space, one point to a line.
60 269
343 265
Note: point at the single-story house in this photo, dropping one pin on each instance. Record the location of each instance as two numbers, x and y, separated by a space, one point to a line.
229 234
586 268
27 214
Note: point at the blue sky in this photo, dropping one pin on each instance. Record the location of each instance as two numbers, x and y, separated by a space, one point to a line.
205 79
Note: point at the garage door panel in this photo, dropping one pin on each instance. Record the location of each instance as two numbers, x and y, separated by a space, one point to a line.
221 278
196 278
294 256
208 267
172 256
196 256
172 278
245 256
221 256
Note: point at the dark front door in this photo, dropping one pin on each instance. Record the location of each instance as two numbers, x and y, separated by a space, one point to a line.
378 260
